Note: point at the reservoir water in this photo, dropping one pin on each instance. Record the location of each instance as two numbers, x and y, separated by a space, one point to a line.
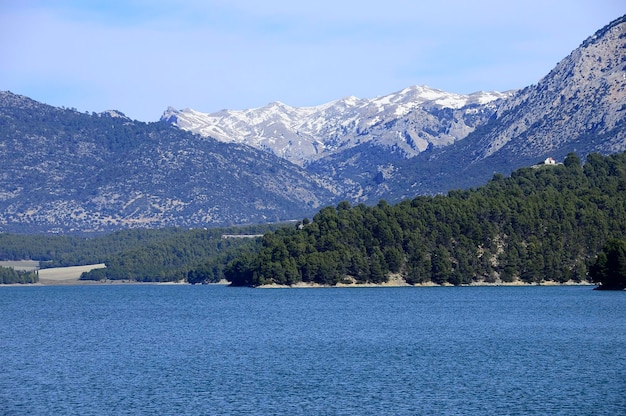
214 350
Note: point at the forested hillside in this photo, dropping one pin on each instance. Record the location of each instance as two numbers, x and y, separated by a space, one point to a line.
544 223
77 250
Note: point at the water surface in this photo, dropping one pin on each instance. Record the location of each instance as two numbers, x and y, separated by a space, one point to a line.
150 349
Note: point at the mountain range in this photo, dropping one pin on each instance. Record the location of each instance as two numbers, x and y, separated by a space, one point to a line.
410 120
66 171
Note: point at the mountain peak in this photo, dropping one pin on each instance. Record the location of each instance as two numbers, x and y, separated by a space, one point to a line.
113 114
9 99
276 104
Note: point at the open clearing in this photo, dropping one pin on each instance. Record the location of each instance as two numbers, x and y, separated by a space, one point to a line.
63 274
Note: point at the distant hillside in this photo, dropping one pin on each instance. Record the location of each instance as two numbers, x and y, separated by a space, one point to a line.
64 171
410 121
166 254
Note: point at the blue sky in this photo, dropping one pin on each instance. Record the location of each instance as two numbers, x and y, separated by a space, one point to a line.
141 56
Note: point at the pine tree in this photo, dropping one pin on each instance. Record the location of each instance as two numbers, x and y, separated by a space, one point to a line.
609 269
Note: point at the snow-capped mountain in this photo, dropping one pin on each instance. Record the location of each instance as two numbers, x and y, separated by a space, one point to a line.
410 120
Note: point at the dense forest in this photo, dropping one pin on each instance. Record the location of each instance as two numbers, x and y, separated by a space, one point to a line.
76 250
196 256
543 223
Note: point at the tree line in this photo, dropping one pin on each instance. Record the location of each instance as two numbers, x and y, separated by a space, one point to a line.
543 223
609 268
10 276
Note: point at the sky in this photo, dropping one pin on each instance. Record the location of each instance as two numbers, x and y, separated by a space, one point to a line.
141 56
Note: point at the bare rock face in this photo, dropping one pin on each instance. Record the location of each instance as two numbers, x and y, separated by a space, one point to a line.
579 107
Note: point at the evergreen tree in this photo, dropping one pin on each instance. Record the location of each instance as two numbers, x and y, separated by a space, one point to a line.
441 265
609 268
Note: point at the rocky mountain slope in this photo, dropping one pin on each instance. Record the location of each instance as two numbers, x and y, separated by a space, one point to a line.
410 120
62 170
580 106
584 95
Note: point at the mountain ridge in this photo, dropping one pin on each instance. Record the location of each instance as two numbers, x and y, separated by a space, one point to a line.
592 75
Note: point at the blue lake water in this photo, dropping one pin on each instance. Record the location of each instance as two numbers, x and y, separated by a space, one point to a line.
214 350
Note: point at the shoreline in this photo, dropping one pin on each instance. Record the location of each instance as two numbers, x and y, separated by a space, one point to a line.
304 285
77 282
392 282
396 281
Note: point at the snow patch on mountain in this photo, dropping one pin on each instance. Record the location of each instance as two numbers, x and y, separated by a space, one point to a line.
410 119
